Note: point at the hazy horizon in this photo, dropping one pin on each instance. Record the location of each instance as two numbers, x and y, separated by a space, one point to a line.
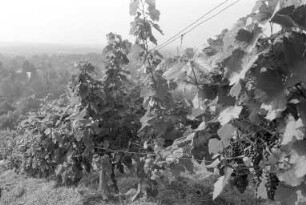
80 23
29 49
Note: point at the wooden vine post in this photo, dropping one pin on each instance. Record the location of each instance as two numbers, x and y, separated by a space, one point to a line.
104 173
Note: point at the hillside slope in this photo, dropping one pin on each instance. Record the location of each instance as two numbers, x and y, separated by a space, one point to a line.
19 189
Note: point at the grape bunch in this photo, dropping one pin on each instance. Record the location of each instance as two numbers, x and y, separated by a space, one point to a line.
256 148
271 185
233 153
240 178
255 153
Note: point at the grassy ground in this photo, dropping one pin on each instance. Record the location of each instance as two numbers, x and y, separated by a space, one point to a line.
20 190
193 190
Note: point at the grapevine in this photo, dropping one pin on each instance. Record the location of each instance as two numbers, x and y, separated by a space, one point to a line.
64 137
248 91
237 106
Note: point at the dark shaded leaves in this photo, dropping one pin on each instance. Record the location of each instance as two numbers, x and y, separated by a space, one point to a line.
291 17
295 57
270 88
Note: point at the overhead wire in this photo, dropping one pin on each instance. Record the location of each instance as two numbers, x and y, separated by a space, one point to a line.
147 153
197 25
193 23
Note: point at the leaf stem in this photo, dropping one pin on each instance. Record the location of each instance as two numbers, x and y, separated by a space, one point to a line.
195 77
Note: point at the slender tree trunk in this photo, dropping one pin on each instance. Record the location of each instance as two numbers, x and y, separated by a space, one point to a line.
140 175
103 184
103 178
114 181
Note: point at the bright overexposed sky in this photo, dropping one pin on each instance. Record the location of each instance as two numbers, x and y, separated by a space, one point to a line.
87 22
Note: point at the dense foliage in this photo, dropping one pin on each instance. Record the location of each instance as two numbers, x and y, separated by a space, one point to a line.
248 92
238 106
96 117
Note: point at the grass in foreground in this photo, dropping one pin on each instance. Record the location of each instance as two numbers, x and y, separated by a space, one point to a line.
187 190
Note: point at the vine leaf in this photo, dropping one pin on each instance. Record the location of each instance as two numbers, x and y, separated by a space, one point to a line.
244 36
224 97
238 64
255 111
196 113
274 110
229 114
226 132
188 164
182 71
287 195
295 58
288 3
153 12
202 63
299 158
291 17
222 182
295 175
200 146
157 27
289 178
233 64
215 146
161 88
249 37
146 120
236 89
270 90
302 111
262 190
208 92
294 130
146 92
151 2
134 7
176 71
284 19
264 10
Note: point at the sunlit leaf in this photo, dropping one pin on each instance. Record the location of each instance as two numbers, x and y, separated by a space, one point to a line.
264 10
222 182
226 132
295 175
295 130
215 146
229 114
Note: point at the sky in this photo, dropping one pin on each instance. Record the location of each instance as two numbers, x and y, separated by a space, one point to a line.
86 22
